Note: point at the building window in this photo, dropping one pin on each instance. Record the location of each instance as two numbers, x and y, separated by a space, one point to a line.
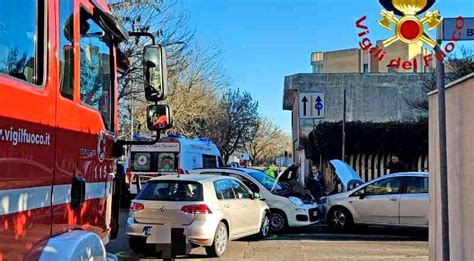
366 68
318 68
22 40
96 69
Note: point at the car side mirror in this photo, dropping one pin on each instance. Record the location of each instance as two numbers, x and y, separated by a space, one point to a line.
362 195
155 73
159 117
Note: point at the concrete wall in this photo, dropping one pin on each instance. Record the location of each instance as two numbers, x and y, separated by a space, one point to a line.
340 61
344 61
370 97
460 140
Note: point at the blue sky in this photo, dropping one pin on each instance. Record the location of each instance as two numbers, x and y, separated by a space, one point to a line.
264 40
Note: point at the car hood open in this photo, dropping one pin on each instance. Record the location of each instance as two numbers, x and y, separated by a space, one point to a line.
346 174
289 180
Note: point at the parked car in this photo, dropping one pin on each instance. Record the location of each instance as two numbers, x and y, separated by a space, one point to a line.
400 199
211 210
288 207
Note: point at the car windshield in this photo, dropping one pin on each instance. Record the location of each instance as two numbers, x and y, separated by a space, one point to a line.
171 191
268 182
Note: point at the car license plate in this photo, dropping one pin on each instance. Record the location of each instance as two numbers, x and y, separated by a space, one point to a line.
147 230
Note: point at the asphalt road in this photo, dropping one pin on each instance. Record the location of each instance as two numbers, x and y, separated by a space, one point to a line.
310 243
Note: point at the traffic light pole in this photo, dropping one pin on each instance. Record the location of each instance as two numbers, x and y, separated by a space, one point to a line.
443 160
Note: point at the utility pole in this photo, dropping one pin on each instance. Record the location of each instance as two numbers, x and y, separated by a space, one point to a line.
443 159
131 117
344 126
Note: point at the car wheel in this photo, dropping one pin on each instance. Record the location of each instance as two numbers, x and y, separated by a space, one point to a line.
265 227
278 221
137 244
340 220
220 241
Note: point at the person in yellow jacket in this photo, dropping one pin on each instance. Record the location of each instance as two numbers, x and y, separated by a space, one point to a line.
270 171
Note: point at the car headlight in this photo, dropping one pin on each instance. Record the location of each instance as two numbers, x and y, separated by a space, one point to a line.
296 201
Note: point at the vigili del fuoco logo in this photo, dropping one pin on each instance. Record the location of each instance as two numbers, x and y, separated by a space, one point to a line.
411 21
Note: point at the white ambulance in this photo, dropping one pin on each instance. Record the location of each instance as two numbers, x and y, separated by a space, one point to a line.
173 154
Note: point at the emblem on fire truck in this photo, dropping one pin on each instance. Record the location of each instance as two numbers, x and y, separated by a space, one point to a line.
409 28
101 142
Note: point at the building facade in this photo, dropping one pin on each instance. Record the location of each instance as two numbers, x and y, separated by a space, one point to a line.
375 97
372 97
356 60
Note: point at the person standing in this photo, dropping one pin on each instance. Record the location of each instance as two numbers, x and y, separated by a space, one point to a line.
269 170
396 166
316 183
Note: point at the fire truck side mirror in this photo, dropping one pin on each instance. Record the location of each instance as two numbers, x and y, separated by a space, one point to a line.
159 117
155 73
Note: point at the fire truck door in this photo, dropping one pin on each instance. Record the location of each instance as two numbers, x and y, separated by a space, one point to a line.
67 98
96 121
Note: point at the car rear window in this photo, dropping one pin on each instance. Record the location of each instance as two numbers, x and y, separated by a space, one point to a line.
171 191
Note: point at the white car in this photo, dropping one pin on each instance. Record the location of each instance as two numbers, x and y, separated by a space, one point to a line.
400 199
209 210
288 208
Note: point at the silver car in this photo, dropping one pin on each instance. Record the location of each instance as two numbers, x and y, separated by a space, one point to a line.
400 199
210 209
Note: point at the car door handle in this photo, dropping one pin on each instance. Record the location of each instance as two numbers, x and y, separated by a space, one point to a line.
226 206
394 199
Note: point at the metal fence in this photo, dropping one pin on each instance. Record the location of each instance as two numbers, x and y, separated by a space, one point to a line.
372 166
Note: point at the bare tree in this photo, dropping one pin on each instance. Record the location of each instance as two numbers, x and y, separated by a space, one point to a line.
236 125
461 65
194 74
457 67
267 140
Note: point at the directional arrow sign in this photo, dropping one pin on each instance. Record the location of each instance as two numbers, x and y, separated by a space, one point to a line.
311 105
319 106
304 101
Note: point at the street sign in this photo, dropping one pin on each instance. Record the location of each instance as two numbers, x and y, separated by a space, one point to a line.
448 29
311 105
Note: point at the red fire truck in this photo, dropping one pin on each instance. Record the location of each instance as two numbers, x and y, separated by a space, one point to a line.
59 61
